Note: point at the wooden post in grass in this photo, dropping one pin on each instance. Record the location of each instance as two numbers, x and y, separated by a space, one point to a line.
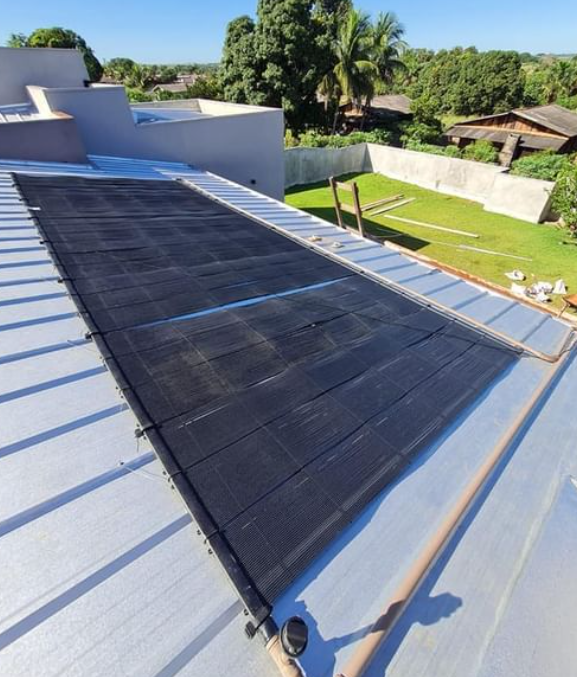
333 185
340 207
358 210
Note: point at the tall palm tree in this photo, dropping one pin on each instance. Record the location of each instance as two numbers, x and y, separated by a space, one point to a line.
388 47
386 52
354 74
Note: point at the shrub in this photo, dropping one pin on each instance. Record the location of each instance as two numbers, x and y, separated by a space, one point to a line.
136 95
453 151
564 197
546 165
420 147
421 132
481 151
290 140
447 151
315 140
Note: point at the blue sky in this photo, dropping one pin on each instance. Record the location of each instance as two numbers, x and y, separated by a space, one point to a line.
168 31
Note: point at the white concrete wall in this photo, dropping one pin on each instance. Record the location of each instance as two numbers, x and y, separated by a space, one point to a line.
498 191
52 140
309 165
247 149
522 198
245 146
43 67
462 178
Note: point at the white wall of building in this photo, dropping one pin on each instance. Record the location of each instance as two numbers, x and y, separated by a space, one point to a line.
52 140
241 143
21 67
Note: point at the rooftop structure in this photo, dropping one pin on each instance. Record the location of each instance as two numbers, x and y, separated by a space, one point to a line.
117 578
61 117
531 129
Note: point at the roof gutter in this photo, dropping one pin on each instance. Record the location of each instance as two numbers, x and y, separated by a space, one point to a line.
401 598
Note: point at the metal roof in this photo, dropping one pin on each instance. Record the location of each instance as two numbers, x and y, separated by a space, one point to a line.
394 103
534 141
18 113
104 574
555 117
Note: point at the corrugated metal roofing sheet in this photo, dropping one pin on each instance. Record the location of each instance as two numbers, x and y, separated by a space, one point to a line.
555 117
533 141
117 582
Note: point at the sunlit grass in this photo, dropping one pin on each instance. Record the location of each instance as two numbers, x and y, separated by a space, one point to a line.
553 252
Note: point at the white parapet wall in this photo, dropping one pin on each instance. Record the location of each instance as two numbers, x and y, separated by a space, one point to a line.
241 143
493 186
20 67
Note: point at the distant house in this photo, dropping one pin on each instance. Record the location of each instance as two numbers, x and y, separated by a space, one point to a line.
521 131
172 87
182 83
383 109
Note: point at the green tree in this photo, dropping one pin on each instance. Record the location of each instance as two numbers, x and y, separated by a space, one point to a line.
279 59
560 80
240 73
67 39
388 48
17 40
140 76
564 198
287 45
425 127
355 71
488 82
119 68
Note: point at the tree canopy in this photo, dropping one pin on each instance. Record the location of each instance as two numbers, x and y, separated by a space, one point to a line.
59 38
465 81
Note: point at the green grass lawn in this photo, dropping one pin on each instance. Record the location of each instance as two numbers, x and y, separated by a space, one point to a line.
553 252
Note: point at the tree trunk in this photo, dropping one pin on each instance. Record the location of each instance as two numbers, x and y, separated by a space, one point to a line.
335 120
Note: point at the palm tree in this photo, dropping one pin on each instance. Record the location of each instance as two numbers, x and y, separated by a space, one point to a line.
388 47
354 74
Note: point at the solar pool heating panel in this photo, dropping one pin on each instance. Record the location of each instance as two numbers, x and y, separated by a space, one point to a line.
281 390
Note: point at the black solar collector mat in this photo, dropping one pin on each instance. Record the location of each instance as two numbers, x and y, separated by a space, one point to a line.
281 390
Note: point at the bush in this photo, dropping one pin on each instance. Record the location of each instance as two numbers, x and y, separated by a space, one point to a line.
546 165
481 151
136 95
447 151
564 197
454 152
315 140
421 132
290 140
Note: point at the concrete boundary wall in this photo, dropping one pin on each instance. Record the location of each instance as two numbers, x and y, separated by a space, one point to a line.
309 165
493 186
462 178
522 198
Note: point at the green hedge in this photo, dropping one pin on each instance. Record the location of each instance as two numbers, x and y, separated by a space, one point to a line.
316 140
546 165
481 151
447 151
